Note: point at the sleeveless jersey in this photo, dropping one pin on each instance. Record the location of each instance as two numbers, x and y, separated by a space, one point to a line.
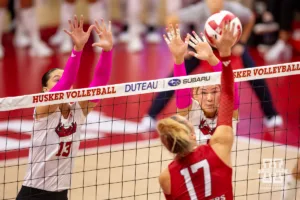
200 175
54 144
204 127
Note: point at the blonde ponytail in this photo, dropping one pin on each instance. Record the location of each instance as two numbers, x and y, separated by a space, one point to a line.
175 136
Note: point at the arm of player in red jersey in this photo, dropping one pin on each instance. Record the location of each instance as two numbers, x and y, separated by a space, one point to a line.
222 139
178 48
218 68
79 38
168 197
165 183
103 68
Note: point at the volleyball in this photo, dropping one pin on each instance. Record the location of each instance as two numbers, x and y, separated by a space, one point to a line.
213 26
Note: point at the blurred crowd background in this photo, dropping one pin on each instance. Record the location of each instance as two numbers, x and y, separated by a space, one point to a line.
275 33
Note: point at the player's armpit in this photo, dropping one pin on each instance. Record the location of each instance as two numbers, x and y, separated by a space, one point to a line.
221 142
44 111
223 136
165 182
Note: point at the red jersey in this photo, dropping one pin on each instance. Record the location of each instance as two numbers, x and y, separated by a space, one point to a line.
200 175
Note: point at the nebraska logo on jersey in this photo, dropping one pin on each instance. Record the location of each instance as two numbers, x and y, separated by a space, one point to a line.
205 129
64 132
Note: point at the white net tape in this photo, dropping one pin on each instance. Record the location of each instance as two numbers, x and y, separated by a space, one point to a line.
143 87
116 161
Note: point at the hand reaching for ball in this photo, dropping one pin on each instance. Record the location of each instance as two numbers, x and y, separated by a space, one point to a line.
203 49
214 28
227 39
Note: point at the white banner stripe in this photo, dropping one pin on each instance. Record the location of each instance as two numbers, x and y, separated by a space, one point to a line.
143 87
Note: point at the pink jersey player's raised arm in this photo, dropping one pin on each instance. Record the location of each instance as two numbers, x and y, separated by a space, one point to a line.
70 72
102 71
183 96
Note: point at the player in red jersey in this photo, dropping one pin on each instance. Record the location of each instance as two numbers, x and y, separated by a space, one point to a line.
205 171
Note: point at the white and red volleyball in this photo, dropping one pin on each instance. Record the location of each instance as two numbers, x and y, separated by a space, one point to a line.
213 26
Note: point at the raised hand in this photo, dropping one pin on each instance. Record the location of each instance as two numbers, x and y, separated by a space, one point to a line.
225 42
79 37
202 47
177 47
105 35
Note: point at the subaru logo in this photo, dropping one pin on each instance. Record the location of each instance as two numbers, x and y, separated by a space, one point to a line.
174 82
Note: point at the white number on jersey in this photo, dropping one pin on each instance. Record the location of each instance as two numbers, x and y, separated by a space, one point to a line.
207 178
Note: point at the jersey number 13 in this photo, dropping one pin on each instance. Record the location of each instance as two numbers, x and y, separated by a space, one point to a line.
64 149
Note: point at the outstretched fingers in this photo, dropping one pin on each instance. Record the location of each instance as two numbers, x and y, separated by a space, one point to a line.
81 22
197 37
203 37
98 28
224 27
172 31
166 39
192 41
109 26
75 22
228 27
232 27
169 34
177 31
234 34
103 25
71 25
195 41
187 39
68 32
193 54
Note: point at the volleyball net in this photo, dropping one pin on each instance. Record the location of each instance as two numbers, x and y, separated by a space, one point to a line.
121 159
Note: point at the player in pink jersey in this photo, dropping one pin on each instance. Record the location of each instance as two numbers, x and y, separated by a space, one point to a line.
205 171
57 128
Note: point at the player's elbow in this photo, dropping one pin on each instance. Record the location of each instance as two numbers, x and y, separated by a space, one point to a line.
183 112
225 135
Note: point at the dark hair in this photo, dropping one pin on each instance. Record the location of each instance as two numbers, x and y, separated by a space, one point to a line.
46 77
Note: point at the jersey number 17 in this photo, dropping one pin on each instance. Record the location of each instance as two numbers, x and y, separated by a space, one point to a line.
207 178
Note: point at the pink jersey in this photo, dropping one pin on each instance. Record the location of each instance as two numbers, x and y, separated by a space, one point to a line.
200 175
